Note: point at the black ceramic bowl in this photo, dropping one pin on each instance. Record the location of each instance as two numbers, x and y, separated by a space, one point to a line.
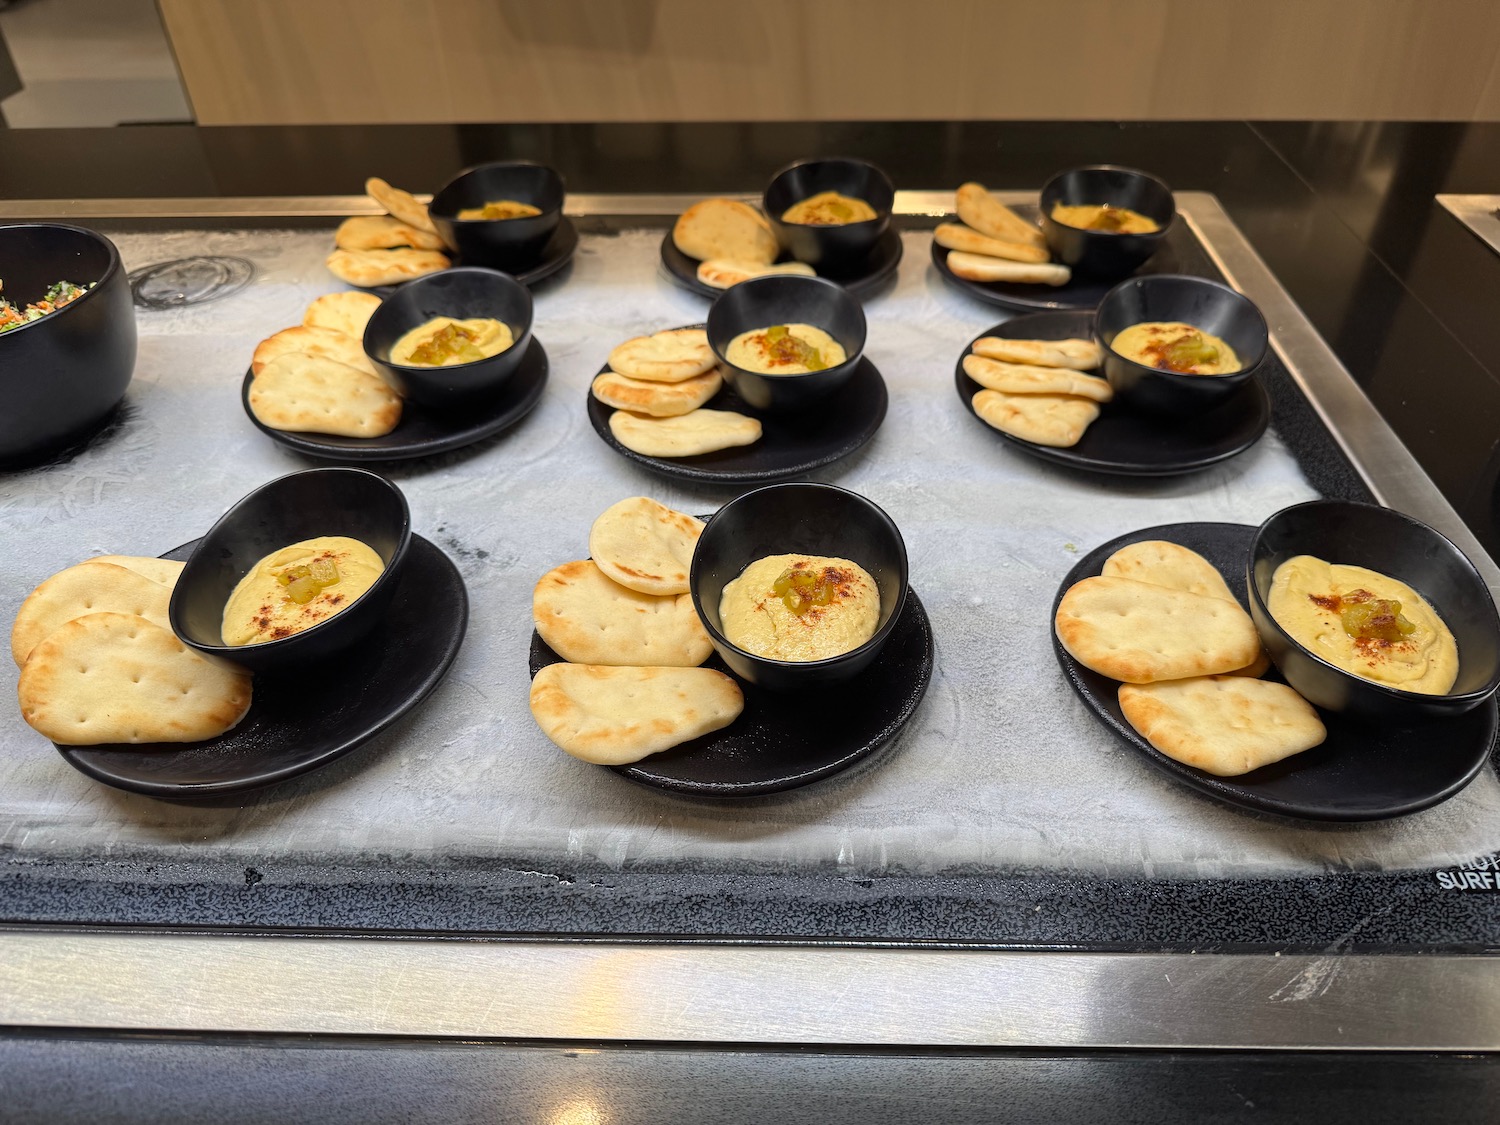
1204 304
352 502
1098 253
1396 545
462 293
62 374
813 519
830 247
787 299
502 244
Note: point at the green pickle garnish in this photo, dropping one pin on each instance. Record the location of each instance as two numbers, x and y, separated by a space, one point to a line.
1374 619
800 590
1189 351
304 580
452 341
784 348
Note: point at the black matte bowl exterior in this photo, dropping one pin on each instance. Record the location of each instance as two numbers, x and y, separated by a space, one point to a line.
352 502
787 299
462 293
812 519
1343 532
61 375
1206 305
1099 253
512 245
829 247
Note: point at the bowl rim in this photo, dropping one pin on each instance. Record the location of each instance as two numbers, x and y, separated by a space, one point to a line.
1259 602
851 359
877 639
113 268
520 340
453 218
1159 233
882 214
1246 369
393 567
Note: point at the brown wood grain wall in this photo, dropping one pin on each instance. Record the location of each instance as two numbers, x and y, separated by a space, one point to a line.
366 61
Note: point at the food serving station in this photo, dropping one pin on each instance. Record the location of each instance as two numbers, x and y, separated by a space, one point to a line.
1000 870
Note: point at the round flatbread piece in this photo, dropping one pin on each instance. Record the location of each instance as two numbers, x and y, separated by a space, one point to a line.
303 393
645 546
588 618
664 357
384 267
403 205
1055 420
725 228
325 342
1025 379
383 232
660 400
94 586
346 311
687 435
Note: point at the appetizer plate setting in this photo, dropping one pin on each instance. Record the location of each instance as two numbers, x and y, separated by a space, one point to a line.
320 691
1124 440
1362 771
863 279
779 724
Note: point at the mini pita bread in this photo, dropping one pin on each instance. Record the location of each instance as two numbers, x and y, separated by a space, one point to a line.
981 267
303 393
347 312
117 678
1168 564
384 267
1255 669
660 400
645 546
1080 355
1055 420
401 204
612 716
94 586
1140 633
725 228
956 236
978 208
165 571
588 618
324 342
664 357
722 273
1223 725
1025 379
687 435
384 232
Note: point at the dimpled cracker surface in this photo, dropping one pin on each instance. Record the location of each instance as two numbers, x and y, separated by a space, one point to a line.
589 619
325 342
90 587
1224 725
347 312
310 394
645 545
664 357
165 571
660 400
115 677
1168 564
1139 633
613 716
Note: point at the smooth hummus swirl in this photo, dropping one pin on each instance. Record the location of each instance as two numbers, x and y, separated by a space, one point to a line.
785 349
445 342
829 209
839 607
1310 598
1174 346
264 608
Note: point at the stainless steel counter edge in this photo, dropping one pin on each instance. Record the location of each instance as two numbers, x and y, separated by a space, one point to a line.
749 995
1480 213
841 994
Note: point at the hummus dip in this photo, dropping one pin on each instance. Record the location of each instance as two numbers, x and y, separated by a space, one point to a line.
445 342
1174 346
800 607
785 349
829 209
1365 623
500 209
1111 220
297 587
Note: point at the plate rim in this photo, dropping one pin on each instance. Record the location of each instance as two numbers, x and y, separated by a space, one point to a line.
861 287
1226 790
306 444
180 792
890 730
680 471
1066 457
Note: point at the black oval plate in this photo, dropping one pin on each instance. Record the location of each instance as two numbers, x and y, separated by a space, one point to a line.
862 280
1360 772
781 743
788 447
421 432
1082 293
557 253
292 728
1125 441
